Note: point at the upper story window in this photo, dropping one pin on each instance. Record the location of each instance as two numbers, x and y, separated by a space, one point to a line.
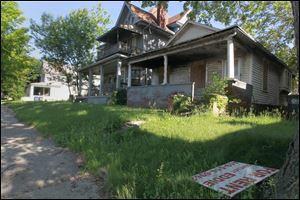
265 75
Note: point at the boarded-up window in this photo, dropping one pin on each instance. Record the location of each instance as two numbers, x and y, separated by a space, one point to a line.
265 75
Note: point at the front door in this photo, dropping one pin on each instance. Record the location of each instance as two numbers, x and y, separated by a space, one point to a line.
198 74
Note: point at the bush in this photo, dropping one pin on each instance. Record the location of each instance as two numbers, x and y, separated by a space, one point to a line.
215 92
180 103
119 97
216 86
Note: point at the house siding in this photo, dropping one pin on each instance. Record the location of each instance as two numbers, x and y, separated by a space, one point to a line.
245 68
214 65
192 32
271 97
180 75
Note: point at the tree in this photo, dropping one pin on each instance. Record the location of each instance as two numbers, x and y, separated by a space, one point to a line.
287 185
270 22
17 68
68 43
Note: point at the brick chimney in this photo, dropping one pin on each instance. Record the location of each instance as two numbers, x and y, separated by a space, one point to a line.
161 16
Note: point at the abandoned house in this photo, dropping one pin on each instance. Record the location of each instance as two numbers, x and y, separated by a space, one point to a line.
135 32
169 60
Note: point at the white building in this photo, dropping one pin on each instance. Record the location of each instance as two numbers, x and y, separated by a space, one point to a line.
52 86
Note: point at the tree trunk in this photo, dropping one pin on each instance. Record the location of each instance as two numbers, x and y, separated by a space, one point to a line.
287 185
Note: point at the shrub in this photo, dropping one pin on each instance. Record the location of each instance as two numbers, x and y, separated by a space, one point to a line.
220 100
180 103
216 86
215 93
119 97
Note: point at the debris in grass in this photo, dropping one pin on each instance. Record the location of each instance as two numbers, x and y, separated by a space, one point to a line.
134 123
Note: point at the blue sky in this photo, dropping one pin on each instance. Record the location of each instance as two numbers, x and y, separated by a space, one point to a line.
34 10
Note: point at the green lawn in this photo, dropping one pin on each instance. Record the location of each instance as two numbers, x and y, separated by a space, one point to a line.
158 159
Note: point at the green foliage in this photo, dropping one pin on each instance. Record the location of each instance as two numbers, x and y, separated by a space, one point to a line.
17 68
215 87
179 103
220 100
119 97
164 4
158 159
71 39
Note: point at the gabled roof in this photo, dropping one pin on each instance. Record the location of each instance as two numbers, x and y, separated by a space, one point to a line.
178 17
241 34
185 27
142 14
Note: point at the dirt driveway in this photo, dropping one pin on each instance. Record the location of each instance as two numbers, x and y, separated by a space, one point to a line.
33 167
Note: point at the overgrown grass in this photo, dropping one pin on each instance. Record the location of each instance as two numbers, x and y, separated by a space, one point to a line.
158 159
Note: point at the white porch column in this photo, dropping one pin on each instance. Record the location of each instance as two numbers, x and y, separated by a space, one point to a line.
165 69
230 58
101 80
129 76
31 90
119 63
80 83
90 82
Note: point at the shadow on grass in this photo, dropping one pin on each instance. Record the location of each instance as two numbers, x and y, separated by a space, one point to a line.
140 163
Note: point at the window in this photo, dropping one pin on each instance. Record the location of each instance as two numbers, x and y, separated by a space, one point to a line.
288 79
41 91
265 75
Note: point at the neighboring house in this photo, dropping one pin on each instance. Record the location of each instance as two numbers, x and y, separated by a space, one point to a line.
136 31
195 52
155 58
52 86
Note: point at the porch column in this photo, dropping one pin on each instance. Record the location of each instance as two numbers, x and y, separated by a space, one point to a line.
129 76
101 80
230 58
165 69
119 63
80 83
90 82
31 90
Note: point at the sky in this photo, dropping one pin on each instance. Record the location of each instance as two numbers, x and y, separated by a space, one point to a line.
34 10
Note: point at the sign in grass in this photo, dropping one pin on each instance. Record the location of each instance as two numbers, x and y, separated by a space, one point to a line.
233 177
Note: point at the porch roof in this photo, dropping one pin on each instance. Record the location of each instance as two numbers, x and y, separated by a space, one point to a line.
216 37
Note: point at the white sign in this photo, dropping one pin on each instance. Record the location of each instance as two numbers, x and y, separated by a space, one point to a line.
233 177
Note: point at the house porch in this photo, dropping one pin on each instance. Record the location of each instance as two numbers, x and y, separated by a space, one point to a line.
172 69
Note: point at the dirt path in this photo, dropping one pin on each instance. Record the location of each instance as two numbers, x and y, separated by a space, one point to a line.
33 167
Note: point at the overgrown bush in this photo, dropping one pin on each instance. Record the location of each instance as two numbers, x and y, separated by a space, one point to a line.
215 92
216 86
180 103
119 97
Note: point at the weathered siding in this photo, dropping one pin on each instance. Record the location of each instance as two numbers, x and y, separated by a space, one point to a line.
271 97
214 66
179 75
191 32
245 68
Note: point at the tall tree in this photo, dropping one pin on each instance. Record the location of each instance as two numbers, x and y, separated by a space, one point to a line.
69 42
287 185
17 67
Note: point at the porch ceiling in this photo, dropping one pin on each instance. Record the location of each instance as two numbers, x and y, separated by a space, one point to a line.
182 57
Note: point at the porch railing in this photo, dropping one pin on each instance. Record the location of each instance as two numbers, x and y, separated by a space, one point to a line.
119 47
